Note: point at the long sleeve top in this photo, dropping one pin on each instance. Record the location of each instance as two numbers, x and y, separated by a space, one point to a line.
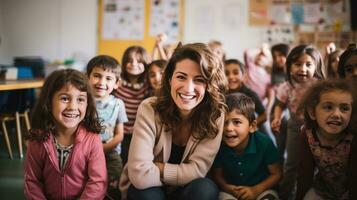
83 177
331 180
151 142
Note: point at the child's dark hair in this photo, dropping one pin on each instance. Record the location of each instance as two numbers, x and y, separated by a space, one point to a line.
242 103
161 63
143 58
350 51
237 62
329 71
42 120
106 63
312 98
294 56
281 48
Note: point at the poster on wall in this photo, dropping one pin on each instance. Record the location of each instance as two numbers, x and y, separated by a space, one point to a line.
280 13
280 34
312 13
297 13
234 15
258 12
123 19
164 18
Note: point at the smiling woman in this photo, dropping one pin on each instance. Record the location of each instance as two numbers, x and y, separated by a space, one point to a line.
177 134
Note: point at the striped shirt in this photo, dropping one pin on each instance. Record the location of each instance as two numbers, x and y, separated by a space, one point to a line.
63 153
132 99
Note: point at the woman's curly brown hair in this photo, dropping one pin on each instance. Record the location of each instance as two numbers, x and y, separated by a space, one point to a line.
42 120
204 116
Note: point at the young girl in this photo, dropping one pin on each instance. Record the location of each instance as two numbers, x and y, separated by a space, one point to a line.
326 140
155 70
347 67
133 90
64 158
304 65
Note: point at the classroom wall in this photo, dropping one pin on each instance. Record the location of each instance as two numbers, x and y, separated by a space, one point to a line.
53 29
3 52
206 20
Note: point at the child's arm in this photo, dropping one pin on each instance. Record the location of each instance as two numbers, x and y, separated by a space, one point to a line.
218 177
261 118
278 110
306 167
246 192
96 186
118 137
33 172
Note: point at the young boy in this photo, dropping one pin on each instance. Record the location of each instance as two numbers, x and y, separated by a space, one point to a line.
104 76
235 73
247 164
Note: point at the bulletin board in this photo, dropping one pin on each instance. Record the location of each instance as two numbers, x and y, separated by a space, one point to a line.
116 47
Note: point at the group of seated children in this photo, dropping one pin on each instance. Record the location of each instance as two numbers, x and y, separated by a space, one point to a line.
83 143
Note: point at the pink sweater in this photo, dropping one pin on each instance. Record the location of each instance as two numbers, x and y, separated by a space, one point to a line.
151 142
84 176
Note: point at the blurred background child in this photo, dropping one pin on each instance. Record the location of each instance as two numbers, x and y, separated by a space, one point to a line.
235 73
217 48
133 89
347 66
155 71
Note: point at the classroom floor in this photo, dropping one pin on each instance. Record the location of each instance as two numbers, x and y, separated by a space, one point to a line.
11 171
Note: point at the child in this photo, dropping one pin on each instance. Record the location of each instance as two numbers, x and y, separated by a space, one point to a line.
155 70
64 158
332 63
133 90
302 65
104 76
247 164
279 53
235 72
347 67
326 140
278 75
217 48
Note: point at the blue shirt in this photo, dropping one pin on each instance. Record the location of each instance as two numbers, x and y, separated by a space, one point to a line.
251 167
111 111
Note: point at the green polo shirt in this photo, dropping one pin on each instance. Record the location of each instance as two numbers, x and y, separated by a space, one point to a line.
251 167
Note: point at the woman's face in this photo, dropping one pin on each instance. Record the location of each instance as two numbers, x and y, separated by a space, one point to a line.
188 86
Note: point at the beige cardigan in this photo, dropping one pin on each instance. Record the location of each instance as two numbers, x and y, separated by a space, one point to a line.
151 142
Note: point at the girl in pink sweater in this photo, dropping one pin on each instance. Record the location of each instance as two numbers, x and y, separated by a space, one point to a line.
65 158
178 133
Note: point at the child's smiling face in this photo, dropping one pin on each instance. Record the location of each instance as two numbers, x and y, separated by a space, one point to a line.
234 76
236 130
333 112
303 69
135 66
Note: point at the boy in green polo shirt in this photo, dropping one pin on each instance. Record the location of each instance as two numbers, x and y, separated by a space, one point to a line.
247 164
